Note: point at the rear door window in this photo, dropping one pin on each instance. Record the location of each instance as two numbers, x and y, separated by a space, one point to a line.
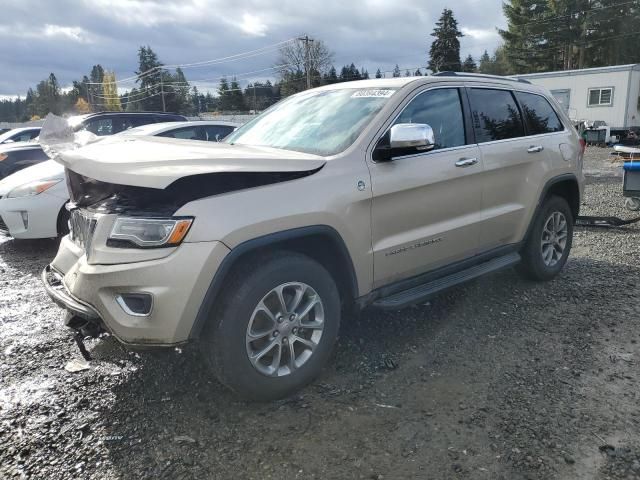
136 121
441 109
101 127
25 136
496 115
538 114
187 133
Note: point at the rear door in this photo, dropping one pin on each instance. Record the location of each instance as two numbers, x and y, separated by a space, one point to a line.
514 165
426 207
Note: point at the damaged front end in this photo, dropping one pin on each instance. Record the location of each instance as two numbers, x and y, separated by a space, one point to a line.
127 266
112 198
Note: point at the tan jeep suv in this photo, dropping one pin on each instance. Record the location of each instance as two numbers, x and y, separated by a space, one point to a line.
372 193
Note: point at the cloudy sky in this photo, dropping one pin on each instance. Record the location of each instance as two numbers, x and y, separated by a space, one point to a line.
67 37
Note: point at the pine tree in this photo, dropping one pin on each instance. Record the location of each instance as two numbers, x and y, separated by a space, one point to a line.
378 74
149 76
530 24
417 73
224 96
498 64
94 86
407 73
236 97
469 65
396 71
444 53
331 76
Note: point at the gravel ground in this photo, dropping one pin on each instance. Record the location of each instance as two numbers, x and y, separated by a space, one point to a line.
498 379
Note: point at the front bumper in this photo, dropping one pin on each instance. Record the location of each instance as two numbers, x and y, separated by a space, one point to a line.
31 217
54 286
177 282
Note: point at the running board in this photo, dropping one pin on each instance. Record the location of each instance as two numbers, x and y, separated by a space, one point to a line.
422 292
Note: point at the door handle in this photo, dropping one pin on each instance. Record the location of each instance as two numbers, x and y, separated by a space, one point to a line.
535 148
466 162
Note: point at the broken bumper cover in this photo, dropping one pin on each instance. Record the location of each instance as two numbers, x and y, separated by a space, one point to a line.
177 284
54 286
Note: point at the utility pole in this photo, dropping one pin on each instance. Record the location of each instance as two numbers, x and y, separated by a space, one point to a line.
307 65
164 107
254 99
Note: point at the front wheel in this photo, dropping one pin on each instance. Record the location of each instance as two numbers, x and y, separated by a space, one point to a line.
547 248
275 327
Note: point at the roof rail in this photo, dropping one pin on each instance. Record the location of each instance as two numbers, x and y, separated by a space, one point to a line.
478 75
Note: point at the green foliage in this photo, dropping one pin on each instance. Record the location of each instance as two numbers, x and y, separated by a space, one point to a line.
570 34
444 53
110 89
469 65
497 64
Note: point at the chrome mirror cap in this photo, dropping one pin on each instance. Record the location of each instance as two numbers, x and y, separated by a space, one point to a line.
411 135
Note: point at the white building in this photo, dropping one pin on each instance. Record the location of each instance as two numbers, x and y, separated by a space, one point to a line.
611 94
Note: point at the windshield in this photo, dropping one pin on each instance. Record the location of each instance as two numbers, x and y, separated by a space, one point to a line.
319 122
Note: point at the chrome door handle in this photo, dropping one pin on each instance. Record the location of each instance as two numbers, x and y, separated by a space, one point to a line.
535 148
466 162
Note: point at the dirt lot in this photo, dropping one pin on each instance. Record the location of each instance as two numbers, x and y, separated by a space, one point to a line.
498 379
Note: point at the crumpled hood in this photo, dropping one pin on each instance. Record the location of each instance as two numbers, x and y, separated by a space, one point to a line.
156 162
40 171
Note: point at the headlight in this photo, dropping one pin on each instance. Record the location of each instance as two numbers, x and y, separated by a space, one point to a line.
33 188
148 232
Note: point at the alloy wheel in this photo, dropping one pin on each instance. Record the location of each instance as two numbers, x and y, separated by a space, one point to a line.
284 329
554 238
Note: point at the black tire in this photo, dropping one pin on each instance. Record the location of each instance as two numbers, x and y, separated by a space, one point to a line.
223 341
533 265
63 222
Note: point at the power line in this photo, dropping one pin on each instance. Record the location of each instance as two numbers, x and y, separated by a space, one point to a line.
216 61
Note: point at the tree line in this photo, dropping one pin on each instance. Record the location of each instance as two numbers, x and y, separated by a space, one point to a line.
541 35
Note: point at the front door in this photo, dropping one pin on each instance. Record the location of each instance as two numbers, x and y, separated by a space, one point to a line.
426 208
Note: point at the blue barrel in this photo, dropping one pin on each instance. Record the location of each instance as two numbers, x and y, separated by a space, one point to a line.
632 166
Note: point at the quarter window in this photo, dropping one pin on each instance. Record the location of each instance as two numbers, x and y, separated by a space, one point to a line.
441 109
495 115
216 133
600 96
538 114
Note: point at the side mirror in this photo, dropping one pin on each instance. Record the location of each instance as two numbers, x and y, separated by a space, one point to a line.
411 135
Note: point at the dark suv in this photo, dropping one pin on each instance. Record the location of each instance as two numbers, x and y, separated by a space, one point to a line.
110 123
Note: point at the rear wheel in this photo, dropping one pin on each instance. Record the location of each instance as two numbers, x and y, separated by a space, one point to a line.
275 327
549 243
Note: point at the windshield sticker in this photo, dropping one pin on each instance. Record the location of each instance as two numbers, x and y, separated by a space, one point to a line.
373 94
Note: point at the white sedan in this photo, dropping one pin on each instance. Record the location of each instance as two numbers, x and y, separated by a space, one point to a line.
16 135
32 201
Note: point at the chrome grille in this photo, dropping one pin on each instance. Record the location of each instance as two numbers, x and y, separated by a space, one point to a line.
81 228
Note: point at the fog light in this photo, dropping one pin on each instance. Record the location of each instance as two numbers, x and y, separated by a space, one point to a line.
136 304
25 219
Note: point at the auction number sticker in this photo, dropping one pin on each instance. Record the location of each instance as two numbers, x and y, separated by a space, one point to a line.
373 94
